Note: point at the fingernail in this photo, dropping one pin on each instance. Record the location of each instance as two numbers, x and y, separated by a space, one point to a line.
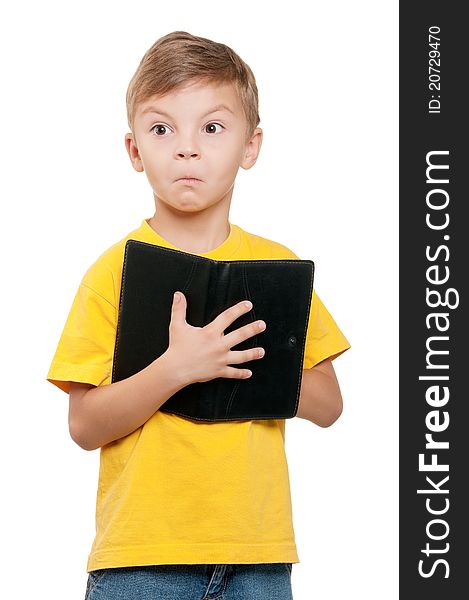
177 297
248 304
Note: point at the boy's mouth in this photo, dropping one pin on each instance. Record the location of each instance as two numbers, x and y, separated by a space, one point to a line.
189 180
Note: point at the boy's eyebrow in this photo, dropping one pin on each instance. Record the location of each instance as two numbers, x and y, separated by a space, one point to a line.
217 108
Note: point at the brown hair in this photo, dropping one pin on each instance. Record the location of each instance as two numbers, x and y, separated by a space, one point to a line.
179 58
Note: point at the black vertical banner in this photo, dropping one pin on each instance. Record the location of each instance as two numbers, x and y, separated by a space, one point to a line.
434 269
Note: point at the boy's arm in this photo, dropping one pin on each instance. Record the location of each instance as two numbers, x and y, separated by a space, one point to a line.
100 415
320 396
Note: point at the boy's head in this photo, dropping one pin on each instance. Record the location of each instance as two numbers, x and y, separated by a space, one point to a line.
179 58
173 135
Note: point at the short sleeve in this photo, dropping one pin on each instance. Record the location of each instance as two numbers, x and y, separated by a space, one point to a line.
86 346
324 339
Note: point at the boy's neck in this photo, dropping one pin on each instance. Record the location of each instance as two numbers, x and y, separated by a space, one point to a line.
192 234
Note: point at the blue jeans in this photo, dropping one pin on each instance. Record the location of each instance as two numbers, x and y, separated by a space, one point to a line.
265 581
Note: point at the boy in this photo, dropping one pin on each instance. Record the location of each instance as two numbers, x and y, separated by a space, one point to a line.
188 509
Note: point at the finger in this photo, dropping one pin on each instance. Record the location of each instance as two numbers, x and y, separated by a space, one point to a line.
224 319
236 357
243 333
235 373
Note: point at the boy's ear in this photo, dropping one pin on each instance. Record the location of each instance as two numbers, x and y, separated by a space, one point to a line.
133 152
253 147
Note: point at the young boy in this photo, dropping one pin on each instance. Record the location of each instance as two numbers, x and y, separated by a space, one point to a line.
188 509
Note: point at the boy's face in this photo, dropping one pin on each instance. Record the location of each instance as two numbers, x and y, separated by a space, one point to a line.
177 137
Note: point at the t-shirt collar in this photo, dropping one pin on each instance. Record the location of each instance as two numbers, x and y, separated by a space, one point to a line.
225 250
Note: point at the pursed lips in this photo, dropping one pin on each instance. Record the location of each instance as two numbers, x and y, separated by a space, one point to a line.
189 180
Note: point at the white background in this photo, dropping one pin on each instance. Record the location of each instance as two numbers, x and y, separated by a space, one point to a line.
325 185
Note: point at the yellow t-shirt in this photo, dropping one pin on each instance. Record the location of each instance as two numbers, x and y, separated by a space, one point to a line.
176 491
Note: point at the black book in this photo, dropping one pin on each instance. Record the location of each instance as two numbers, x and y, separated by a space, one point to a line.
281 294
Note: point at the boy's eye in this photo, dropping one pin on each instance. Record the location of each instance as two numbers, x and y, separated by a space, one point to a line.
158 127
213 125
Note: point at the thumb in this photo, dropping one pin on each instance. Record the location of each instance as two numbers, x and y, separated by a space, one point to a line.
179 306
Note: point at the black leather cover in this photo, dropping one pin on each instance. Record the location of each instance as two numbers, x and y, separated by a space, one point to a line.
281 293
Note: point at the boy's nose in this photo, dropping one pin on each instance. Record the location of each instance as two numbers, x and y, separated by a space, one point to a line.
185 154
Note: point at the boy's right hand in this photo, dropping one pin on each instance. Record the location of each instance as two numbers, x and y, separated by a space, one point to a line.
203 353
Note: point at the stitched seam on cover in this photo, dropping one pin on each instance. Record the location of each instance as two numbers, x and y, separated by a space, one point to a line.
232 396
253 341
263 418
304 342
124 275
196 256
190 277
